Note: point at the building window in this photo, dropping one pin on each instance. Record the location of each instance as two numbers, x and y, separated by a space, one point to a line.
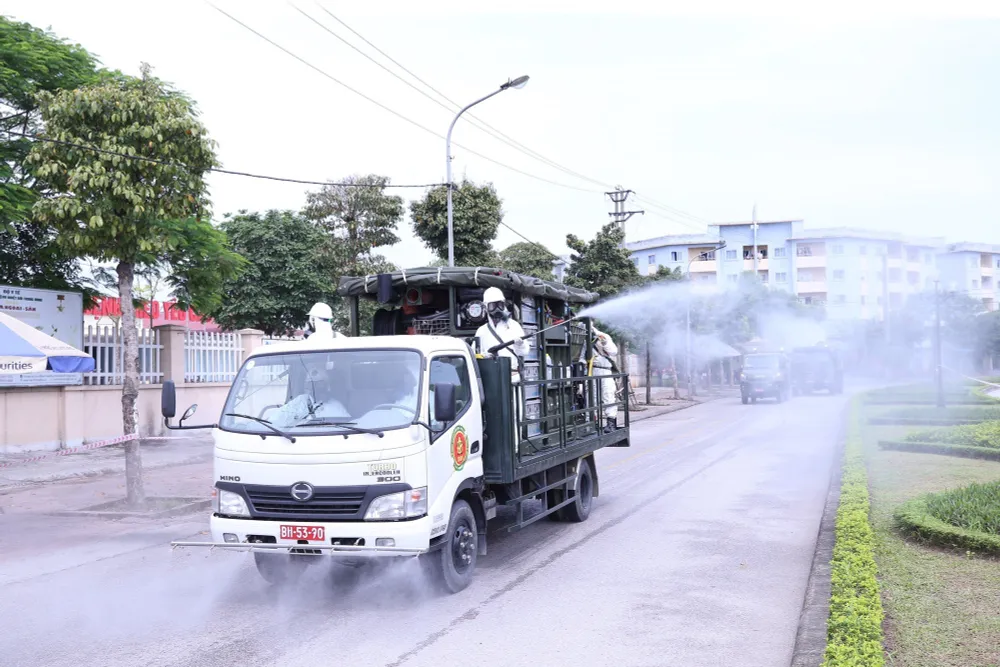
838 274
707 256
912 255
840 298
675 256
780 277
730 254
838 249
804 276
651 260
803 251
635 260
780 252
863 250
998 263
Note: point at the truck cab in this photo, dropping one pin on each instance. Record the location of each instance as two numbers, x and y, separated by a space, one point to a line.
765 374
405 444
817 368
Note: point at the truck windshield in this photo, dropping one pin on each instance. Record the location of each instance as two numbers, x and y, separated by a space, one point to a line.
316 393
761 361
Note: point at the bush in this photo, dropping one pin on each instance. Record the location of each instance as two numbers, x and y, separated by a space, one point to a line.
952 412
915 519
962 451
986 434
975 507
854 632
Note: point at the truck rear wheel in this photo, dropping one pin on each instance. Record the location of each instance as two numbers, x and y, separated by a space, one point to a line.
453 565
583 497
278 569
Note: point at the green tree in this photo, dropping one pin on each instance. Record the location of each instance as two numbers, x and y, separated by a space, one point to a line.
602 265
477 212
32 61
284 277
148 209
530 259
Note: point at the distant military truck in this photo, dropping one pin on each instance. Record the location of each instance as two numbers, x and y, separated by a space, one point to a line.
765 375
817 368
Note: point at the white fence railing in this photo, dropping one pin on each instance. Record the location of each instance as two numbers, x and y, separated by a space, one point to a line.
107 347
212 357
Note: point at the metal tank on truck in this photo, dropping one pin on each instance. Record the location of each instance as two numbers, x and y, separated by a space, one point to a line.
404 443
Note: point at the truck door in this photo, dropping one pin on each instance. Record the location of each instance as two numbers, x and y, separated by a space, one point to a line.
456 447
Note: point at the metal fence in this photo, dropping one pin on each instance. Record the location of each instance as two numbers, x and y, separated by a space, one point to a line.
107 346
212 357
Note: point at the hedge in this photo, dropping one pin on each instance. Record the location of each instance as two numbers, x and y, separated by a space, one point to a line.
917 421
985 434
973 413
854 631
915 518
963 451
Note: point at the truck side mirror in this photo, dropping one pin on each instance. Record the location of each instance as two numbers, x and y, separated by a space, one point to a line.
445 406
168 400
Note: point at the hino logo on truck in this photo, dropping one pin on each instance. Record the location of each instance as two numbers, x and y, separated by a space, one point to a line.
302 491
229 478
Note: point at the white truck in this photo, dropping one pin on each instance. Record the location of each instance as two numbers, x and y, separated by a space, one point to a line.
404 443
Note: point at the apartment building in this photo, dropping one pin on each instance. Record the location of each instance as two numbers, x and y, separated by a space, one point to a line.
854 272
972 268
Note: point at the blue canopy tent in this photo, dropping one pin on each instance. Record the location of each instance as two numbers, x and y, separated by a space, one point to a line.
24 349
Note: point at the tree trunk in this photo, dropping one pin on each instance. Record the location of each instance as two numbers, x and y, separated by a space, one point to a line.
649 377
134 492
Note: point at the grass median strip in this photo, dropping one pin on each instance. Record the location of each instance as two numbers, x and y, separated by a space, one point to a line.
985 434
854 632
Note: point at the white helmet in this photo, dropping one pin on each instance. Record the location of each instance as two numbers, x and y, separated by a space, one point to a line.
496 304
320 319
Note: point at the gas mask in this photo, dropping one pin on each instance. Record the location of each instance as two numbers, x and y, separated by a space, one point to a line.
498 311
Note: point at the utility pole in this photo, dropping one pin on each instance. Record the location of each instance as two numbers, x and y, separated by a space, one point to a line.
753 226
938 379
620 197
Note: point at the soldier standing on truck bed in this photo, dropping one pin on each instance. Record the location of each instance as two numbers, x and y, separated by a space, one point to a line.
603 363
501 328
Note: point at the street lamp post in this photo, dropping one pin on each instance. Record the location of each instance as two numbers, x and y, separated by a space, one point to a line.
519 82
687 342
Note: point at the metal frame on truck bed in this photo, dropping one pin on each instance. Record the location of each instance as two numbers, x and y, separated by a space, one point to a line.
537 431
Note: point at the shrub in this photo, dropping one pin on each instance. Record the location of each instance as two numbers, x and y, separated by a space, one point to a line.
963 451
915 518
986 434
854 632
951 412
976 507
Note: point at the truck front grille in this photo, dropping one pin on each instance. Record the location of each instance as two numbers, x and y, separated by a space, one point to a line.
277 503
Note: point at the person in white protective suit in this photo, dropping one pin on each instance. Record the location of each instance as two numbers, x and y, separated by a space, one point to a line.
605 351
500 328
321 322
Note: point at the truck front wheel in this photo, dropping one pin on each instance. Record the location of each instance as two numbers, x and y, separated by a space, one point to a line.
455 562
278 569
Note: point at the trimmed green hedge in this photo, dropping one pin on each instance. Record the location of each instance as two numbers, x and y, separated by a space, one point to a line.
963 451
915 518
985 434
854 632
916 421
975 507
952 412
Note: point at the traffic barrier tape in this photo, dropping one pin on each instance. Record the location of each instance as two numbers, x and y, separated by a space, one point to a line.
73 450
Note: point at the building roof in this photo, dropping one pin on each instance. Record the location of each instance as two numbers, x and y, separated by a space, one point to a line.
750 222
868 234
673 240
966 246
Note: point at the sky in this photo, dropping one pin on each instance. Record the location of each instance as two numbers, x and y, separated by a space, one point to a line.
882 115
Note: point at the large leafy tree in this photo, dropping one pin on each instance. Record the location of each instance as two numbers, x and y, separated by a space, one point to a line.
285 273
127 158
32 61
601 265
530 259
477 212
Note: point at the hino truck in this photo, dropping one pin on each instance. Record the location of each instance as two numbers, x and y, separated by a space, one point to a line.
406 442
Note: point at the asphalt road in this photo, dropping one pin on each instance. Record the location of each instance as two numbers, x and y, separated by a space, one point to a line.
696 553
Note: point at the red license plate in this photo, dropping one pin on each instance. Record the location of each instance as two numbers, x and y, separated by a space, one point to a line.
308 533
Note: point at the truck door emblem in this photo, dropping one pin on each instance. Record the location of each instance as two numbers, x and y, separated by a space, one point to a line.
302 491
459 447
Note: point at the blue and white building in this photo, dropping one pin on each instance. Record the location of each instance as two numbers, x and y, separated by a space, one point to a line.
972 268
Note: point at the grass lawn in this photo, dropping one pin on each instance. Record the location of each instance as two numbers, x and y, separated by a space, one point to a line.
942 608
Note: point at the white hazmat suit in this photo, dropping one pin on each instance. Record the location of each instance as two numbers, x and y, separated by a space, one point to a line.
501 328
604 351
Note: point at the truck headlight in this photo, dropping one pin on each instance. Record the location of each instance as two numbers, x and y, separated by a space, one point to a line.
231 504
743 377
402 505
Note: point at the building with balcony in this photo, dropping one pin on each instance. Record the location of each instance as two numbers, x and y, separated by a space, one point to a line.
971 268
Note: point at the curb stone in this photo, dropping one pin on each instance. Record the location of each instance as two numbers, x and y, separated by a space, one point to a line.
810 638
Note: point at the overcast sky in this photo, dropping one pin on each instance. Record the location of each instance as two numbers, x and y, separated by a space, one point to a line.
887 123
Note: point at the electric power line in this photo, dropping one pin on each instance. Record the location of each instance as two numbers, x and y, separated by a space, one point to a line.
389 109
230 172
535 243
479 123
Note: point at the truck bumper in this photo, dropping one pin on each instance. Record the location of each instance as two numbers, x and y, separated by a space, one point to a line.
353 539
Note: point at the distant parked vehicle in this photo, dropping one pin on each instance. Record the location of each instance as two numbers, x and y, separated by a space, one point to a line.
817 368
